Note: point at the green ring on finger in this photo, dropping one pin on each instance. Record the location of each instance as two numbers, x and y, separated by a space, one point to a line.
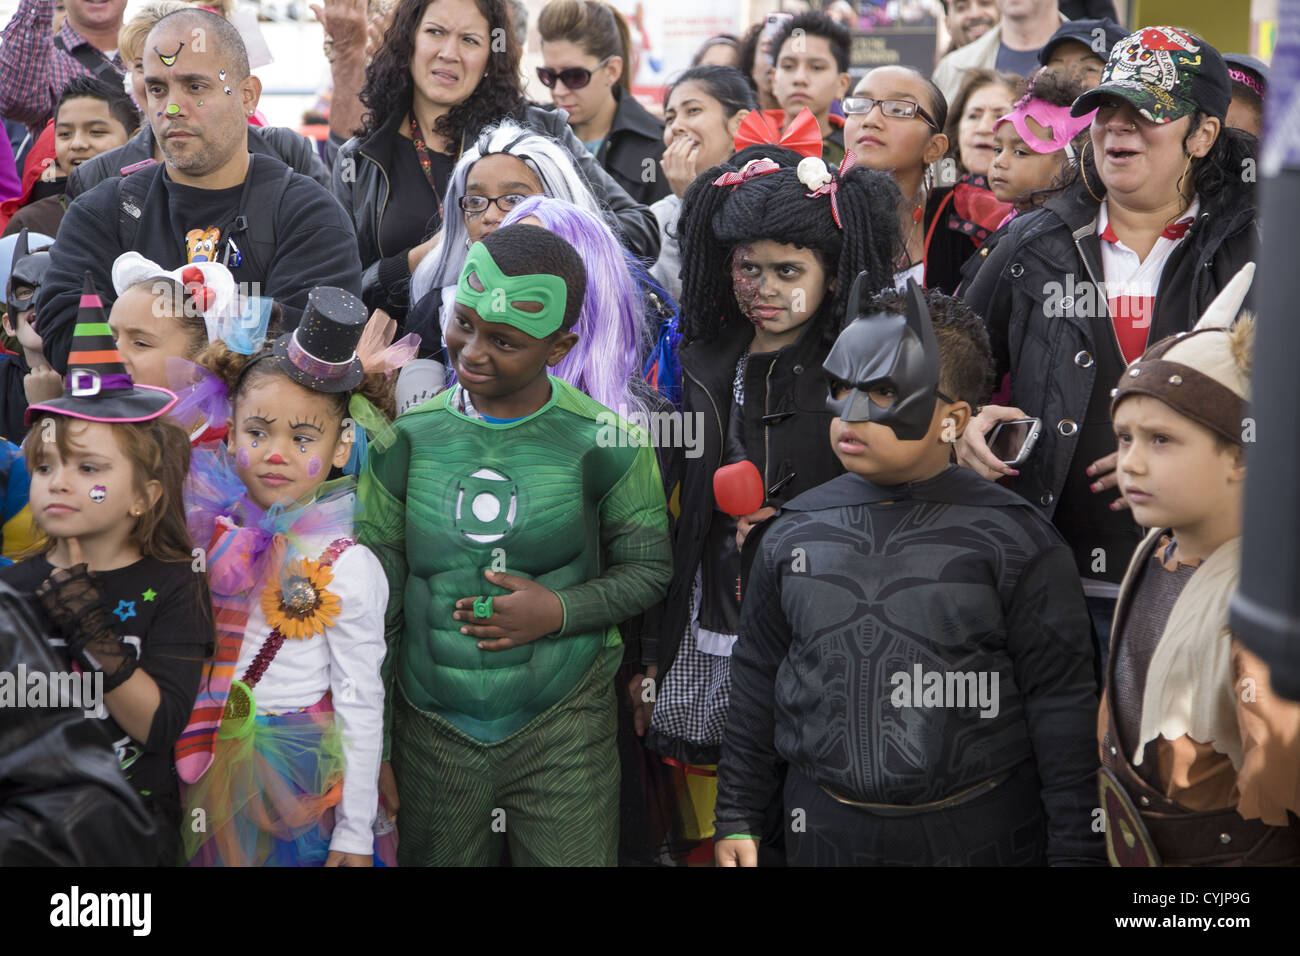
482 607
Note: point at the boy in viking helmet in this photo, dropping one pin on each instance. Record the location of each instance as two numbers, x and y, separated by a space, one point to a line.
1199 758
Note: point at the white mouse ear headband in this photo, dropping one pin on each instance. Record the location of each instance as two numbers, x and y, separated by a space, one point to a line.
209 287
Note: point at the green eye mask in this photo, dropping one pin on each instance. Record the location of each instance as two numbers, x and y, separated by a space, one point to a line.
502 294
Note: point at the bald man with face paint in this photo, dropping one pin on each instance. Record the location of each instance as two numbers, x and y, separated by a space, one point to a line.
279 232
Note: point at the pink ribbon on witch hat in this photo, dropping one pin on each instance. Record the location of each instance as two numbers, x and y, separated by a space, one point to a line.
814 174
755 167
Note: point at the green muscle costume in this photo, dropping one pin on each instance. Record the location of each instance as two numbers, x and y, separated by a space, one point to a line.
569 496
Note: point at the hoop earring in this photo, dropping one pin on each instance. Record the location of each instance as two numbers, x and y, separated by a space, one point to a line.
1083 172
1178 187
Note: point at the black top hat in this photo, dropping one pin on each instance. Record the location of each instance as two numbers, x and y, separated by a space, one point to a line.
321 354
99 388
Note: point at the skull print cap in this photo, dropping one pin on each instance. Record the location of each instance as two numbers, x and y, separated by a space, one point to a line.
1166 73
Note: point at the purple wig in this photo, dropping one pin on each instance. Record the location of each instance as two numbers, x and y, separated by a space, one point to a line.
612 335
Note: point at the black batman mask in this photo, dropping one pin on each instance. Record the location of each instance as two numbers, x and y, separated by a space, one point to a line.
27 272
891 350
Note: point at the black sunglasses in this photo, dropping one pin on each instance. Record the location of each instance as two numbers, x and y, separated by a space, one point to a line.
573 77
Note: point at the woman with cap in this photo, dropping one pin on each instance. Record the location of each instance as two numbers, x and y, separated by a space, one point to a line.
1156 220
435 83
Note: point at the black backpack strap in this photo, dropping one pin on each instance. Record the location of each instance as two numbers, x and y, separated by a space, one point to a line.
254 229
132 190
100 67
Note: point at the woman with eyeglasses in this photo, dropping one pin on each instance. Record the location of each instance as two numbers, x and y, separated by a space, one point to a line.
446 70
587 66
894 122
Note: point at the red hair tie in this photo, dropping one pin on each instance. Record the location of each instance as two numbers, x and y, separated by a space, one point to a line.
755 167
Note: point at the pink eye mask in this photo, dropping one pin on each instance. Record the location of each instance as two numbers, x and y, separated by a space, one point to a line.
1064 127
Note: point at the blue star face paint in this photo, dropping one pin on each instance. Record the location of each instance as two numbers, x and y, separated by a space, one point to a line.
169 59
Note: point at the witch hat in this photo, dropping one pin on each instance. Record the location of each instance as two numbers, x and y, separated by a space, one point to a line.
98 388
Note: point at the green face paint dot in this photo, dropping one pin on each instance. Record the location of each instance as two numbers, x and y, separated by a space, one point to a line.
172 109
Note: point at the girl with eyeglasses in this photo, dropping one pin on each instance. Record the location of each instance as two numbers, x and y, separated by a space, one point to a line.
507 164
587 65
893 123
437 81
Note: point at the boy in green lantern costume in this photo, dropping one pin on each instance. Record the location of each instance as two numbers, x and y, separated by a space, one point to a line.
517 520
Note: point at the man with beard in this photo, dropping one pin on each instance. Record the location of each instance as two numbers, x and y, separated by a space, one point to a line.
968 20
1011 45
279 232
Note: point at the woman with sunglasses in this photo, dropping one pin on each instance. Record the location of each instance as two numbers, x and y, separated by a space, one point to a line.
439 78
893 122
587 66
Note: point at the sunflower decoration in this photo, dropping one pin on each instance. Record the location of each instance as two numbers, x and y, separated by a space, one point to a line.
301 607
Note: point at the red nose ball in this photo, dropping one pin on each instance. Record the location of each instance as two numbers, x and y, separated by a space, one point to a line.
275 460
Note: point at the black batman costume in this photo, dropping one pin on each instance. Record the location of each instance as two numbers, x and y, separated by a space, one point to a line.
917 659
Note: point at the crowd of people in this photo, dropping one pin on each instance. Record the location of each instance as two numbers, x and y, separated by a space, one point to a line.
816 466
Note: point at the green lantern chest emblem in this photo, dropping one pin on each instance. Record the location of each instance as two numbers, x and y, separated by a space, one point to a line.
487 504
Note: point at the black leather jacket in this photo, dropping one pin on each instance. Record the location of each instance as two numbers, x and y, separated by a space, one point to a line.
364 194
284 144
1047 257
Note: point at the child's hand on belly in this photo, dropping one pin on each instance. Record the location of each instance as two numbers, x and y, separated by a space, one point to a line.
528 612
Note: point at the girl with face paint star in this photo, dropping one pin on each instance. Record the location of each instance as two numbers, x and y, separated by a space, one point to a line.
299 607
113 578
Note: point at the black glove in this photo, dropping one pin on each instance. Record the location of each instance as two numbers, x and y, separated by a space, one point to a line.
74 602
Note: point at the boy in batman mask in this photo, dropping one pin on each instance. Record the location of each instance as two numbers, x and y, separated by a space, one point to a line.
25 376
914 653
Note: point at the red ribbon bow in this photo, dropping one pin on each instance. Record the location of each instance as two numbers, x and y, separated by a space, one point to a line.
756 167
833 187
762 128
203 296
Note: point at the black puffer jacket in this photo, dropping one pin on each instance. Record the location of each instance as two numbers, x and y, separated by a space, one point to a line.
289 147
1031 289
788 431
361 183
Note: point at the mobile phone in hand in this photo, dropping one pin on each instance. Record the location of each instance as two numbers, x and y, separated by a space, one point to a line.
1012 441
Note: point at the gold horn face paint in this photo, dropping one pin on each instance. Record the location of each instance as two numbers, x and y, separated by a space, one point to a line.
169 59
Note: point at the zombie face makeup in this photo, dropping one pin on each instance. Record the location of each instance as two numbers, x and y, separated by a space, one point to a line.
884 367
777 286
